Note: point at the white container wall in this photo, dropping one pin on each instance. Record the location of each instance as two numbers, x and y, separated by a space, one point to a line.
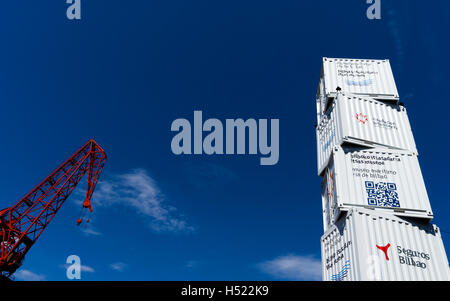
365 122
367 246
321 100
380 179
370 78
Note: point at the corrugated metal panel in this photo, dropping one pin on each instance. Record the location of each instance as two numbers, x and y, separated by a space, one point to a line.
414 252
385 180
365 122
371 78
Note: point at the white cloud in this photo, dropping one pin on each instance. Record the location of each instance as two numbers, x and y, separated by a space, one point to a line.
88 269
83 268
139 191
293 267
90 231
192 264
27 275
118 266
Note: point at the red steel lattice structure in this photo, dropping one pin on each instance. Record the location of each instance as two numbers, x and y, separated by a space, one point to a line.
22 224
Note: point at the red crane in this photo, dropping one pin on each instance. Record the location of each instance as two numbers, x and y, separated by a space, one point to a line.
22 224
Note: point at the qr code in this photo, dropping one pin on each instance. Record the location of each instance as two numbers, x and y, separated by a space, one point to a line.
382 194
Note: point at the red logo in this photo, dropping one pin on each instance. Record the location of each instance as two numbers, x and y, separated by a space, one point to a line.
385 249
362 118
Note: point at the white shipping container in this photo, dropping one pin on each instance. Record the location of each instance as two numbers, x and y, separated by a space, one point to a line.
370 78
380 179
362 121
367 245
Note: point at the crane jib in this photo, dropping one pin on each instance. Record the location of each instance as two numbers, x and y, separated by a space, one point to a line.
23 223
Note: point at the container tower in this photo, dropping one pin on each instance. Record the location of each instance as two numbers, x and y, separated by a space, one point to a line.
377 216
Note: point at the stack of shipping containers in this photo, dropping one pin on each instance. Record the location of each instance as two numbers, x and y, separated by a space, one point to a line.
376 214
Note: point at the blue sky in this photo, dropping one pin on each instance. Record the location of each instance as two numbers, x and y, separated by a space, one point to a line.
127 69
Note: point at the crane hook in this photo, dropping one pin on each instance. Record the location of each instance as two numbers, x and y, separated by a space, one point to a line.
87 204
